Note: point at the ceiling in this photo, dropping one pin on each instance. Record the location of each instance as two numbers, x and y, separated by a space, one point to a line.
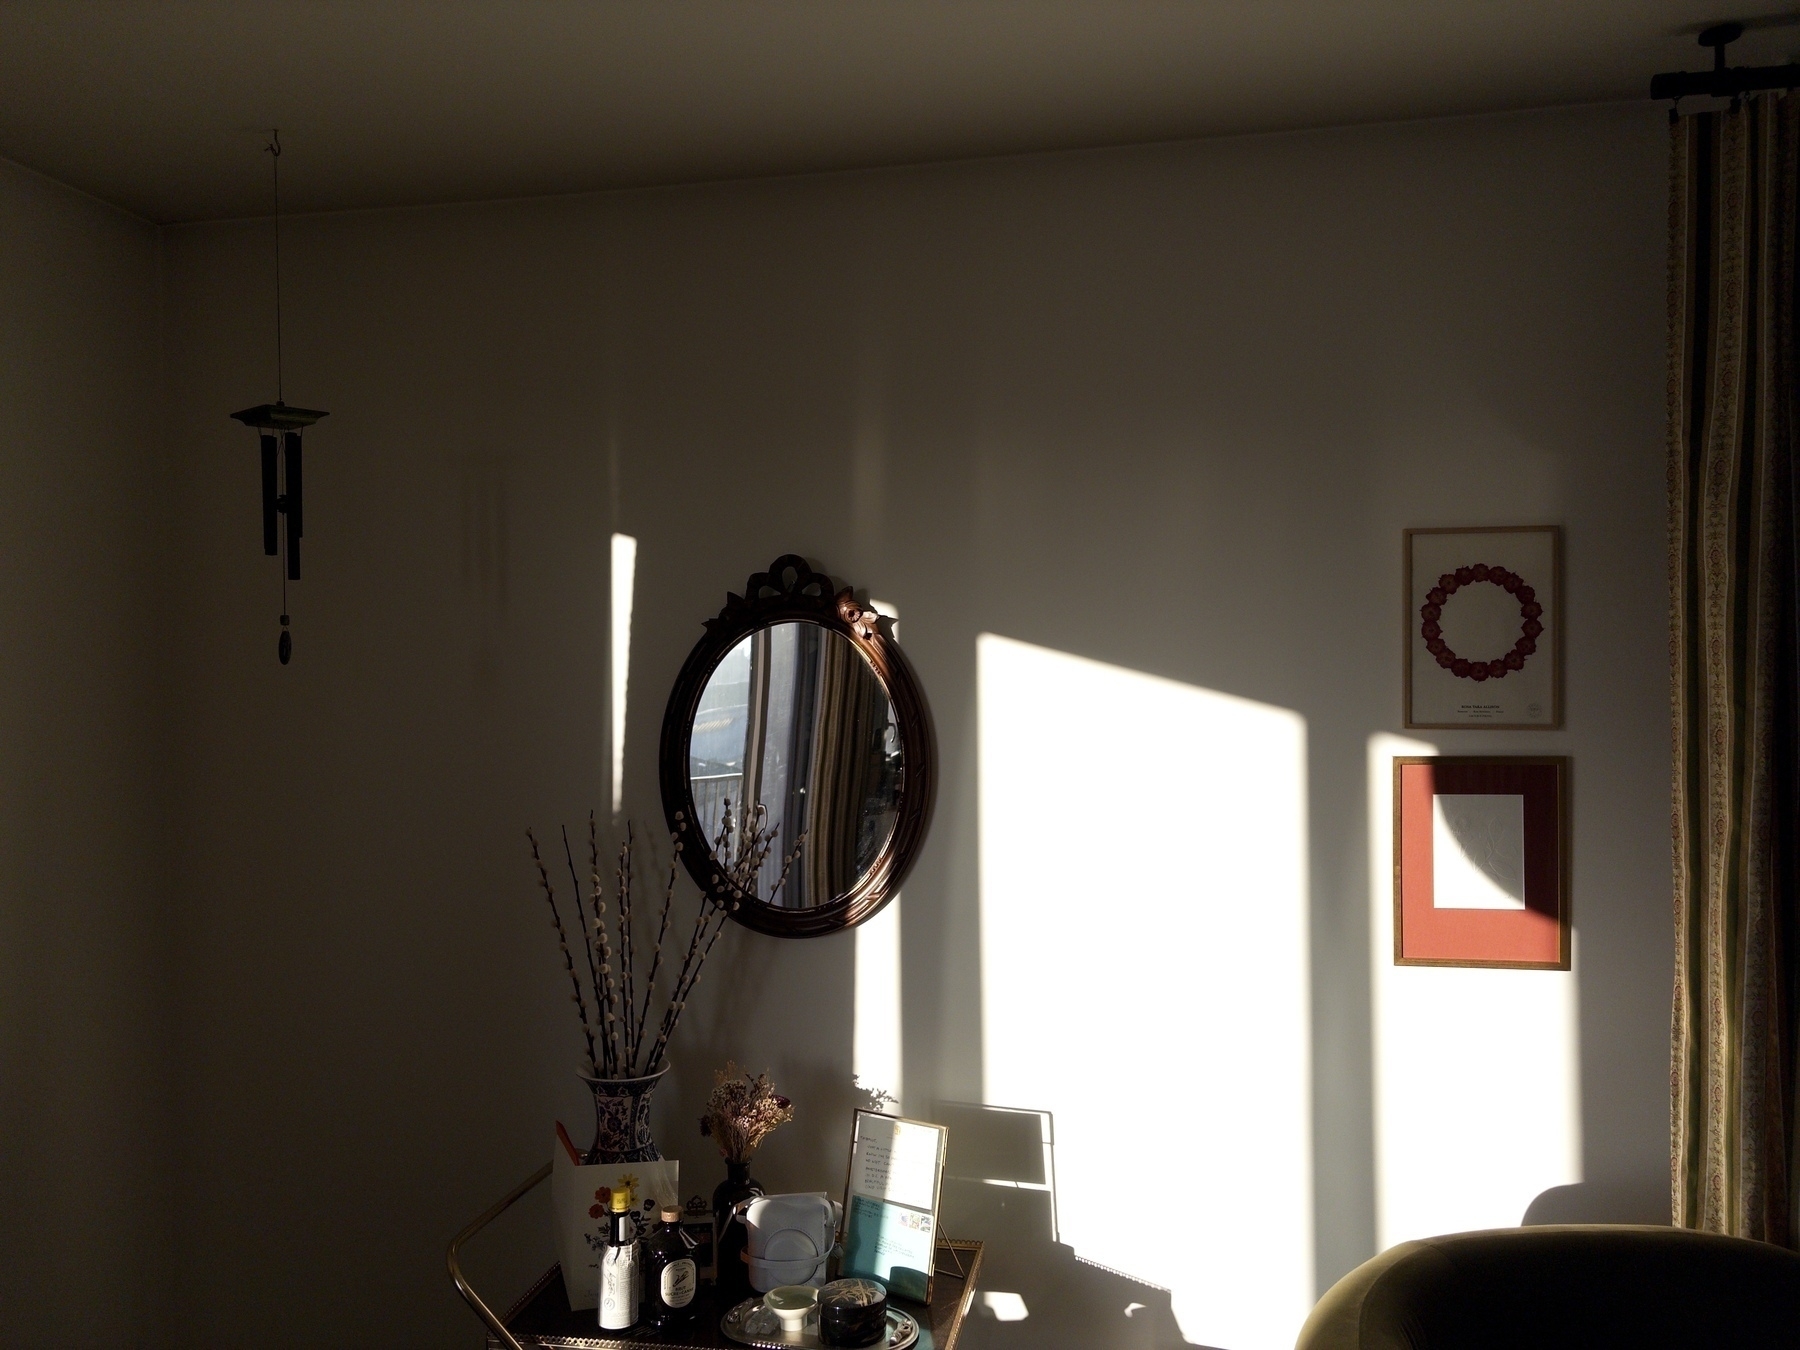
162 106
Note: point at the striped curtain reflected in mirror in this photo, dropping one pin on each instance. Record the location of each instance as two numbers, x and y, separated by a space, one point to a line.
1732 406
850 791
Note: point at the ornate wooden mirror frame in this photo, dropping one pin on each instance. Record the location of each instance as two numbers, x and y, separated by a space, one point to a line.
791 591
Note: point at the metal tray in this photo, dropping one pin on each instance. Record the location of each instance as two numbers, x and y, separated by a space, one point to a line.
743 1325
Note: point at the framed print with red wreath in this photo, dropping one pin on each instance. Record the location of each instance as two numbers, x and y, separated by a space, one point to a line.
1484 628
1481 861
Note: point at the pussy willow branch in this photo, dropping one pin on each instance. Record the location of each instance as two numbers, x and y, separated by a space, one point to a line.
598 938
787 866
698 943
678 999
581 915
609 999
562 941
694 979
619 1021
672 1013
753 868
662 931
623 891
752 848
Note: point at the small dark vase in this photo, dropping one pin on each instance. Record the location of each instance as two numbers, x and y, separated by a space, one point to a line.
730 1235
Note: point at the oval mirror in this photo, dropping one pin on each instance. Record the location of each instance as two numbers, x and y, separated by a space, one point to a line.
796 757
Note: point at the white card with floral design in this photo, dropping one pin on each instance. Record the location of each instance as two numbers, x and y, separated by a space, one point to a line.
580 1199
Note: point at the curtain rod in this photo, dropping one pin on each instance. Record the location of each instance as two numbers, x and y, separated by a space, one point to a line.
1723 81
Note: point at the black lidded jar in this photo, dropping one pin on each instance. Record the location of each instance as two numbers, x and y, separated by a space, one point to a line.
671 1279
853 1312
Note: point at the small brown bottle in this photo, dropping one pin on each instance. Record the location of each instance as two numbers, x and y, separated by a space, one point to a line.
670 1277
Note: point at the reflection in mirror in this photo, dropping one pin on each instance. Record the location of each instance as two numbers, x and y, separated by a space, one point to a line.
794 718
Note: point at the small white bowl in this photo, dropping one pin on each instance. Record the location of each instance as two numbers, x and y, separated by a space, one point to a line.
792 1303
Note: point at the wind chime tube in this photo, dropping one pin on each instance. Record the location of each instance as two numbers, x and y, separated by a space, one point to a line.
270 544
294 511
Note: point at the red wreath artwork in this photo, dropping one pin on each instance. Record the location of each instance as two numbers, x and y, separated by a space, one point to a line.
1433 610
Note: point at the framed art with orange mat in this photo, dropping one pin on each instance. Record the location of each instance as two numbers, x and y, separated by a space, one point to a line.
1484 628
1481 861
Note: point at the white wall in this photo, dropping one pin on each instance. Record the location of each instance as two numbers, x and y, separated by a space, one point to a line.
1165 408
85 1004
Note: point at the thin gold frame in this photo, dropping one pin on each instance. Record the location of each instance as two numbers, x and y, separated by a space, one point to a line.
937 1190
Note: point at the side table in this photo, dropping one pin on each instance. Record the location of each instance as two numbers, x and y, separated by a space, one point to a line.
542 1319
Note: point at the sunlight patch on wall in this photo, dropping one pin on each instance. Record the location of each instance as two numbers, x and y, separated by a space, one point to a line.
1145 978
618 663
892 614
1477 1072
875 1047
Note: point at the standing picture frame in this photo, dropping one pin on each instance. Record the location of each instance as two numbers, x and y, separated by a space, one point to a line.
1481 861
891 1197
1483 631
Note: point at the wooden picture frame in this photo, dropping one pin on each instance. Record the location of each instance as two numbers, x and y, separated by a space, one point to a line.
1482 639
1481 861
792 592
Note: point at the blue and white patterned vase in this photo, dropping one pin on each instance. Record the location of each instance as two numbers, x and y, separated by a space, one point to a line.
622 1118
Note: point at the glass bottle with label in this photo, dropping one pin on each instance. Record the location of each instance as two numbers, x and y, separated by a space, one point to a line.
671 1278
619 1268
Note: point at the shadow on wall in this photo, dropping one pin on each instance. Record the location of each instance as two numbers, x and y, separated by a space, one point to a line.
999 1181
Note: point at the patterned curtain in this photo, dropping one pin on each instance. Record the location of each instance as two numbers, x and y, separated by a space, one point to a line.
846 768
1732 406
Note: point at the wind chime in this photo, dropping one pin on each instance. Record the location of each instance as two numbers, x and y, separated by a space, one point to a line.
279 428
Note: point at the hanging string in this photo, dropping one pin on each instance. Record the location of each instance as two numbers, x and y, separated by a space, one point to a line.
274 149
285 646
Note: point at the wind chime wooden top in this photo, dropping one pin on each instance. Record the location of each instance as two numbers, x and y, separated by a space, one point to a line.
277 416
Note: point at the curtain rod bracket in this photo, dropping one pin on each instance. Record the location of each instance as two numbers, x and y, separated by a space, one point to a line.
1723 81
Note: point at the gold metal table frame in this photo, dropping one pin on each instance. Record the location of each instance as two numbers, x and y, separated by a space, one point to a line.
467 1290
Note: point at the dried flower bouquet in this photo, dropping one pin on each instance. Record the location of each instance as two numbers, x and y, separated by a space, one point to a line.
742 1112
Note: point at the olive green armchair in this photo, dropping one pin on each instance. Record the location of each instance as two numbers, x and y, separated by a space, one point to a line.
1580 1285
